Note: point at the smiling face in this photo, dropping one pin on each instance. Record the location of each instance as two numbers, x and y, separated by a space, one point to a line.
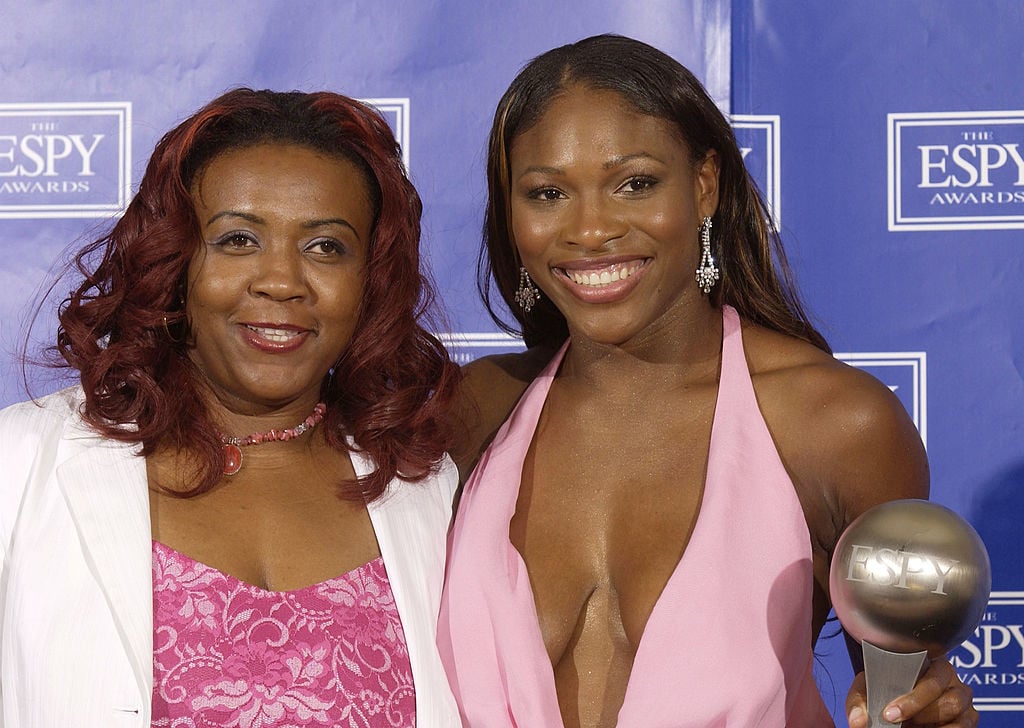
606 205
275 285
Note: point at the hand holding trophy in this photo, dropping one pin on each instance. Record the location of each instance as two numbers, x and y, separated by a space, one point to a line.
909 580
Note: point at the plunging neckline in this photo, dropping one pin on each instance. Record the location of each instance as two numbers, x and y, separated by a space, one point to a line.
534 400
737 603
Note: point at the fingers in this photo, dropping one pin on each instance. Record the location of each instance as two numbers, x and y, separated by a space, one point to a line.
857 703
938 698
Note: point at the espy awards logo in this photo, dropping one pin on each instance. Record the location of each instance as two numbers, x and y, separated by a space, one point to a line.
991 661
64 160
956 170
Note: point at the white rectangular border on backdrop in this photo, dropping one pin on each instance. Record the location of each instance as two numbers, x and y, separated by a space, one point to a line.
770 125
121 111
1006 703
898 124
917 362
464 347
400 108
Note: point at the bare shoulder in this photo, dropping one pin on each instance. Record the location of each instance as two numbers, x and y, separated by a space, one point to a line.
491 386
845 437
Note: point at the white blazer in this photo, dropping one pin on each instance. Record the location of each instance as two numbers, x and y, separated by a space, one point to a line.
76 594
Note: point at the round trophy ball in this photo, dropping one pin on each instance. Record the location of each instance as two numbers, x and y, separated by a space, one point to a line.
909 576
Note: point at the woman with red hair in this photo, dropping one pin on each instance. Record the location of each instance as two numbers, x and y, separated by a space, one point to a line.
237 518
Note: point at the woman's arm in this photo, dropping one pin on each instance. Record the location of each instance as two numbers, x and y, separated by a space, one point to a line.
489 391
876 455
849 445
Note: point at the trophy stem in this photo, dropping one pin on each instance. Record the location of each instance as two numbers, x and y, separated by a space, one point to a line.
889 675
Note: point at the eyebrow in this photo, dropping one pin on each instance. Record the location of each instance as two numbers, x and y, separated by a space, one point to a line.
610 164
619 161
541 170
308 224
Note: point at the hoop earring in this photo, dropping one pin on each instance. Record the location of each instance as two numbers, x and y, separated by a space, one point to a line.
167 330
707 271
527 294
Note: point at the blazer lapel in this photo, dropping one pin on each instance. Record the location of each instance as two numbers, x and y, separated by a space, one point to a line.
105 486
410 520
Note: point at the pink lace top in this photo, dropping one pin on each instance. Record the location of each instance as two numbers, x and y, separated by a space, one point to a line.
227 653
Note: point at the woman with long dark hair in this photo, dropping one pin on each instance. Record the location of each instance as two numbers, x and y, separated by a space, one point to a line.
645 541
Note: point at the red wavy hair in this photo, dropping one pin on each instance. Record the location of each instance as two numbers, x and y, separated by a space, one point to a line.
124 327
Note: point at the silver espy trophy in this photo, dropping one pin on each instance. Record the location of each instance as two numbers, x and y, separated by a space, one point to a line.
909 580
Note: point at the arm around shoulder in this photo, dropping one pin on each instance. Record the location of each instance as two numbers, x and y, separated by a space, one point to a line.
490 388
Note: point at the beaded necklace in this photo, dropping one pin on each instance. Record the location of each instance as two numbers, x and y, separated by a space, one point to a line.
232 446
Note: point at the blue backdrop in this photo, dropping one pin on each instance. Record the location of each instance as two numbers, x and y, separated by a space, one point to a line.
887 137
903 208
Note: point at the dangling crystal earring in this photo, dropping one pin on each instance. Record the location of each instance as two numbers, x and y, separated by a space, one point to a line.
707 271
527 294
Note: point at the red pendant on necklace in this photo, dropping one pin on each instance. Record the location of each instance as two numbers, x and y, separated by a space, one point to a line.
231 447
232 458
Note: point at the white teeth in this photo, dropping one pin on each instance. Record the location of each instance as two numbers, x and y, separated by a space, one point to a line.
604 277
276 335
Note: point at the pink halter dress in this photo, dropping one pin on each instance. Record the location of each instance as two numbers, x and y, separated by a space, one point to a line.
727 645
